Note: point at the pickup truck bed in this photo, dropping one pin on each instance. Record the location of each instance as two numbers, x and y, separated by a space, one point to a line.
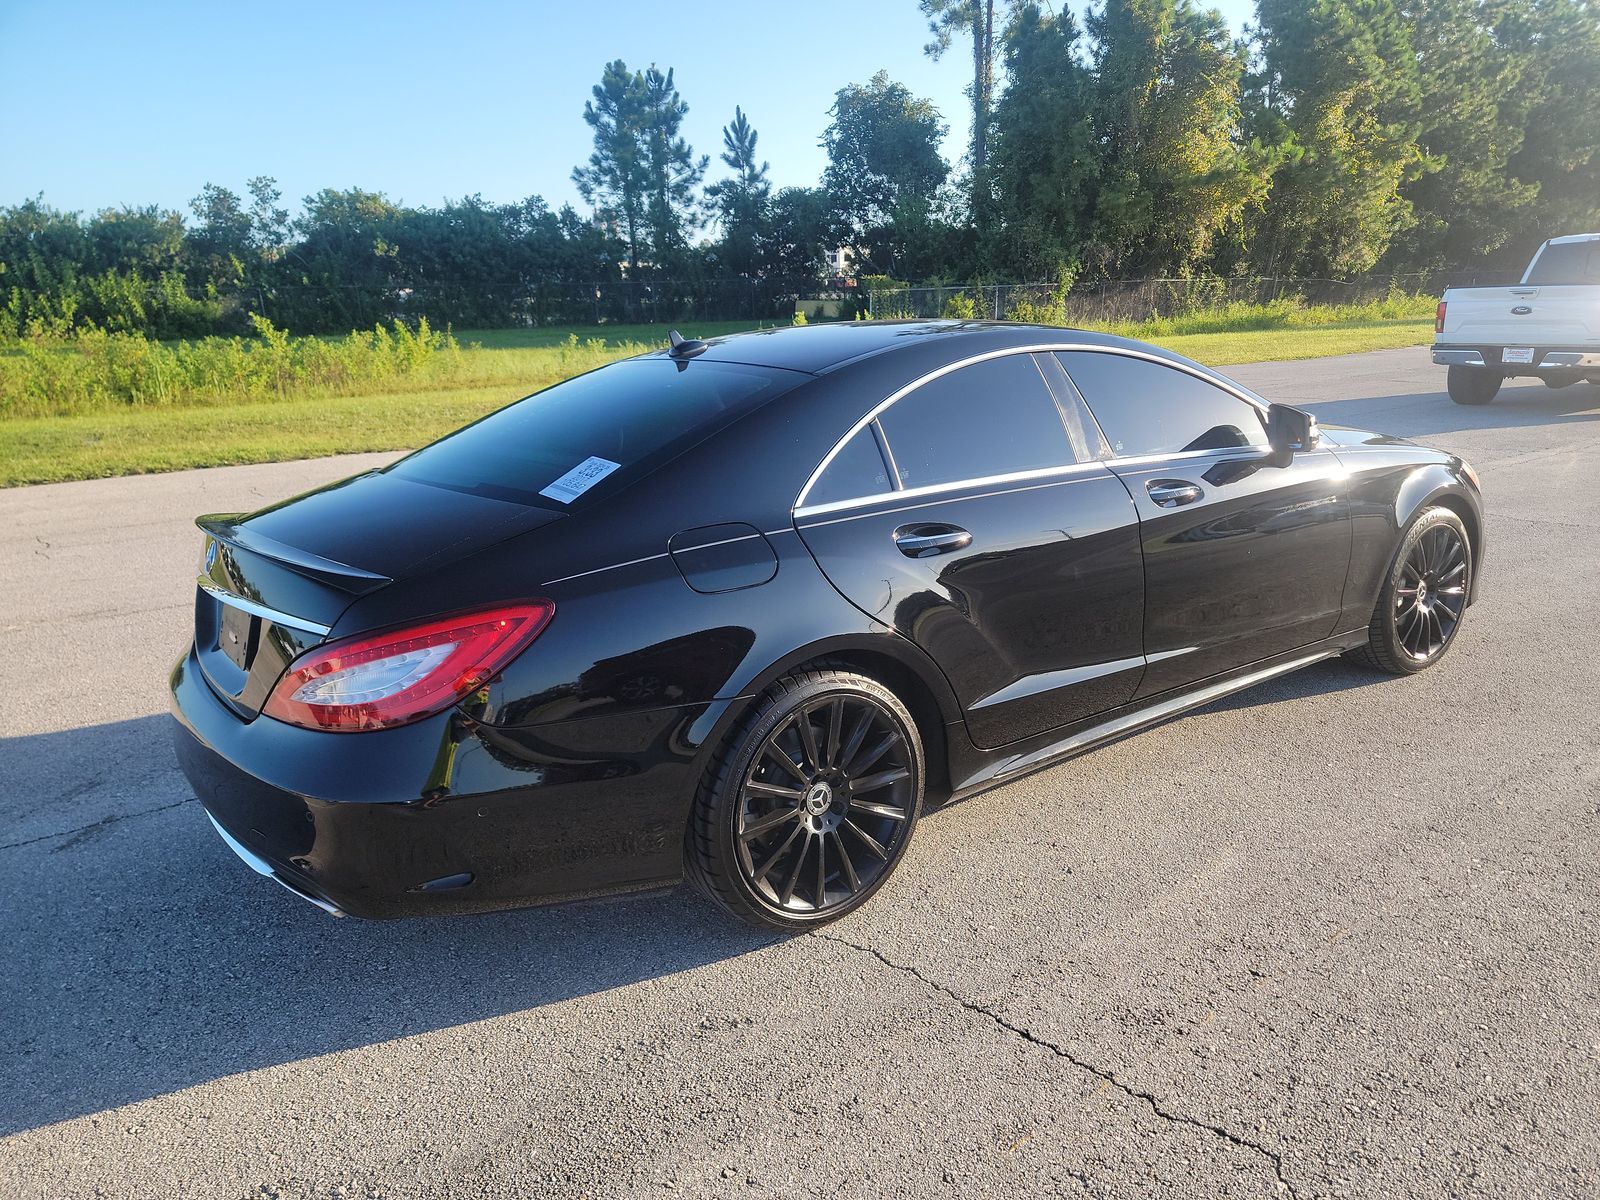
1548 326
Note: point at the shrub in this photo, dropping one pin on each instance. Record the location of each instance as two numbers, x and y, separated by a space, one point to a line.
961 307
47 374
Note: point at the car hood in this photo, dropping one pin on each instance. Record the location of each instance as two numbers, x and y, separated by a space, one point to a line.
1343 435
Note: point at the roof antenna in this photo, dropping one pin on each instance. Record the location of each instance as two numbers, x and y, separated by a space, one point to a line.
683 348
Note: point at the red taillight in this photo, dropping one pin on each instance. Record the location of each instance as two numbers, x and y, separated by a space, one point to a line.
1438 318
380 680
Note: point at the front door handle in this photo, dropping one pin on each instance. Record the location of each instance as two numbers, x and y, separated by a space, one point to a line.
923 540
1170 493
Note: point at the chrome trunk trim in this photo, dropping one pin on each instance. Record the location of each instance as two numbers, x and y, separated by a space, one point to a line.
256 609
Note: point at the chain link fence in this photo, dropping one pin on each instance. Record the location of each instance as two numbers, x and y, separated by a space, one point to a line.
464 304
1110 301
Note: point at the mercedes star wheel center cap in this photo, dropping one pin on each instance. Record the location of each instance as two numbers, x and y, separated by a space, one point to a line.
819 799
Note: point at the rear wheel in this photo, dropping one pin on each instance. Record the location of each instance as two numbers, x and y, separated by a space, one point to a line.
1472 385
810 805
1424 597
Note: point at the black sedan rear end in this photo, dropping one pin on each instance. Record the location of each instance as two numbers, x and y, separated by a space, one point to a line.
735 609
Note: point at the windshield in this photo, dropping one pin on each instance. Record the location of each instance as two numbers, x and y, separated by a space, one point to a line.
592 435
1566 263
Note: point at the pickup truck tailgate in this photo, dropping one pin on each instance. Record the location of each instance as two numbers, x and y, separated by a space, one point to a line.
1523 316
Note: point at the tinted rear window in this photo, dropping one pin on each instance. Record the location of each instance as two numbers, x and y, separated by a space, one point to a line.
589 436
1567 263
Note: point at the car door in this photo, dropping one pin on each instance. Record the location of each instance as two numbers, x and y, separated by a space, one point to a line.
1243 559
975 517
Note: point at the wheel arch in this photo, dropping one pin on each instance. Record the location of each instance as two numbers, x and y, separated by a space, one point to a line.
1443 486
893 661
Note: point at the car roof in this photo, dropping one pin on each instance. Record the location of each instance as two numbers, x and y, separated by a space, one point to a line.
820 348
1575 237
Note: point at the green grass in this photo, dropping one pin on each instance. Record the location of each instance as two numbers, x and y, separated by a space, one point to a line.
1292 344
612 335
513 362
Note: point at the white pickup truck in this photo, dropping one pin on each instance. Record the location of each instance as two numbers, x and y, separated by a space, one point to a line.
1547 327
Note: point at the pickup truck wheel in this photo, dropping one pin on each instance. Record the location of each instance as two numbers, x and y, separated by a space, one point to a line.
1472 385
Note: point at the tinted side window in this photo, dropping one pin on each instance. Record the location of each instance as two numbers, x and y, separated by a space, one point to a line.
1147 408
857 470
991 418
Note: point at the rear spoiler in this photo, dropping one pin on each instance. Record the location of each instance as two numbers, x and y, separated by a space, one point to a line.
228 529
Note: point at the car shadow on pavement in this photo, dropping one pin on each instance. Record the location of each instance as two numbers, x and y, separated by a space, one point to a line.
1420 414
143 958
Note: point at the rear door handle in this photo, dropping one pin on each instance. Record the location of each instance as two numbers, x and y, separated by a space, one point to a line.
924 540
1171 493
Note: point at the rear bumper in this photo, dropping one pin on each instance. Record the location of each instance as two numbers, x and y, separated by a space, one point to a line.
1553 358
262 867
445 815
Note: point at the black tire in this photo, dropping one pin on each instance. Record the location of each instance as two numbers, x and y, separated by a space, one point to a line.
1424 596
760 841
1472 385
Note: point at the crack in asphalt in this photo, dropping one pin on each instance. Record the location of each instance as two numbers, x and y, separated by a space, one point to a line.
1101 1073
83 832
1500 516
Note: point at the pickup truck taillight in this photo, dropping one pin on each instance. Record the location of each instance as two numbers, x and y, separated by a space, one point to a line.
1438 318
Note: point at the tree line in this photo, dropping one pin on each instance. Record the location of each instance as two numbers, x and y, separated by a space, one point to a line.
1336 138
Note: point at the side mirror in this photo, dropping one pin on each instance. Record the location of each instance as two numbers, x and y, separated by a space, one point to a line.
1290 429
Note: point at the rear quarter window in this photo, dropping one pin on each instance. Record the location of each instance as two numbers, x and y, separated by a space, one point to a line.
590 436
857 470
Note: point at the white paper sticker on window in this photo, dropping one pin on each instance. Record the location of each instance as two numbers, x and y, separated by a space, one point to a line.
579 480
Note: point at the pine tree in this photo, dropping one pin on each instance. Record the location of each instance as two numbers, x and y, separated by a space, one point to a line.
671 169
1043 157
1339 88
617 179
741 202
947 20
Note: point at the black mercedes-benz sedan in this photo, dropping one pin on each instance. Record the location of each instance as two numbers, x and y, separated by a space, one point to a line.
735 610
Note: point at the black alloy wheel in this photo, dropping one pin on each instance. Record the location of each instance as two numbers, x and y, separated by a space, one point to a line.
1425 597
1433 593
813 803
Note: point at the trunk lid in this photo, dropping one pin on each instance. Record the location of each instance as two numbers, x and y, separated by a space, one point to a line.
273 583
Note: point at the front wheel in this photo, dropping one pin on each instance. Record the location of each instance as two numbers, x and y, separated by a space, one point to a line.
1424 596
1472 385
810 805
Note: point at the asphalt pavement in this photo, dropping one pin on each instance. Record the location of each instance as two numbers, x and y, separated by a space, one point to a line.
1334 936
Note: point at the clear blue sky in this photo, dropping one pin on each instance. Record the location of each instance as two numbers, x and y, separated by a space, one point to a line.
135 103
